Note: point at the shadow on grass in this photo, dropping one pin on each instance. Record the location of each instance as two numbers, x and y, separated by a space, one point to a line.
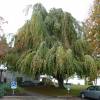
54 91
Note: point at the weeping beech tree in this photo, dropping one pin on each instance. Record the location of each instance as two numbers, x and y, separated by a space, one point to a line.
47 44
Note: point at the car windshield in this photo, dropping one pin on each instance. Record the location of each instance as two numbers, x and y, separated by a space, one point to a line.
91 88
94 88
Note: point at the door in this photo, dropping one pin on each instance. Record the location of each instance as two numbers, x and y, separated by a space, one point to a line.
90 92
97 92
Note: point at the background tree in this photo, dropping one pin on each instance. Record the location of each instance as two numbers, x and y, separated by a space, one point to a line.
2 22
3 47
92 30
93 27
3 42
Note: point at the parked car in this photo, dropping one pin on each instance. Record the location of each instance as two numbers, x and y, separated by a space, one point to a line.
30 83
92 92
27 84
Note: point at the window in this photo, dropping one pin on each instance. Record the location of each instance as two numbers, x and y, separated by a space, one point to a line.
98 88
91 88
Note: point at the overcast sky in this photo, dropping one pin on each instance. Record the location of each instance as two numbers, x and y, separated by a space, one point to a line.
12 10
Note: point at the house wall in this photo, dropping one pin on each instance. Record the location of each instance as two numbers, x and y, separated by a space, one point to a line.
13 75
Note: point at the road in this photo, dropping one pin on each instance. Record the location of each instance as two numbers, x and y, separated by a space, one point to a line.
38 98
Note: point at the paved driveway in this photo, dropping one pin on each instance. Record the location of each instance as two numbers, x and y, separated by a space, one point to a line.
38 98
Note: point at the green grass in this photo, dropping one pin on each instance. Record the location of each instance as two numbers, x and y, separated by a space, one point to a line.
17 91
76 89
53 91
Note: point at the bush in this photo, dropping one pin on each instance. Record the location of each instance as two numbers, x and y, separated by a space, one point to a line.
46 81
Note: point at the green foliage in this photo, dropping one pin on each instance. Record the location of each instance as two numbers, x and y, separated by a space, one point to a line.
53 22
38 26
85 65
38 61
80 48
60 59
98 63
24 62
49 68
90 67
38 8
69 63
11 59
68 29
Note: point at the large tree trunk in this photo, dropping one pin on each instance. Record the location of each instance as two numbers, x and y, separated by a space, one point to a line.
60 80
1 76
86 80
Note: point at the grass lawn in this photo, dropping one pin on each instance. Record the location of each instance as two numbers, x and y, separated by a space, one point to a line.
53 91
47 90
19 91
75 90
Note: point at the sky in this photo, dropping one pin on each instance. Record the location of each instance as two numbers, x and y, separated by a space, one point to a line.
12 10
